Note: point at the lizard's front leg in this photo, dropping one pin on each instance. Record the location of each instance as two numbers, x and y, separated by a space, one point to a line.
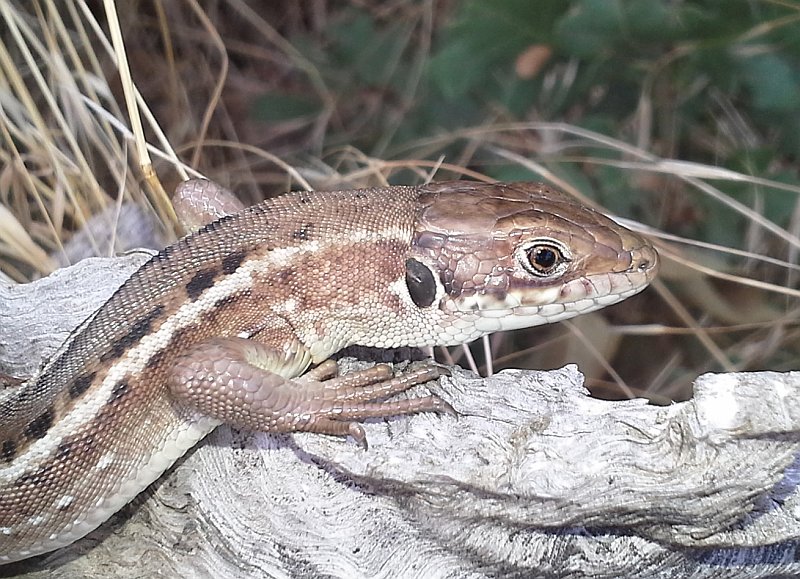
252 385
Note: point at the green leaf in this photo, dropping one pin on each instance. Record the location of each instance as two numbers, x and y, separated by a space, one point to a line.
488 36
590 28
281 107
773 83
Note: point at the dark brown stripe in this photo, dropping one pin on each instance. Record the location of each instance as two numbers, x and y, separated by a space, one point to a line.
201 281
118 393
65 459
304 233
64 450
139 330
156 359
8 451
80 385
37 479
39 426
232 261
286 275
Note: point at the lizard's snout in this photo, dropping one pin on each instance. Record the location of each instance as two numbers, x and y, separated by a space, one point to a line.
645 260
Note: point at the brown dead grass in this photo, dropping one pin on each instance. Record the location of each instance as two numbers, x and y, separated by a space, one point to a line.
68 152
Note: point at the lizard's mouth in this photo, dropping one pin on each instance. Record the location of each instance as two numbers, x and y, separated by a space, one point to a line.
524 305
501 318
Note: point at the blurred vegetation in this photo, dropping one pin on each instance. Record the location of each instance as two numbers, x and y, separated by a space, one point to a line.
682 115
720 81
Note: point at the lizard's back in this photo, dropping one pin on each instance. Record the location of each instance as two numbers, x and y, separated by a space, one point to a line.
97 425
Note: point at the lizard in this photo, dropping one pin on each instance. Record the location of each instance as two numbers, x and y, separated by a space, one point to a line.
236 323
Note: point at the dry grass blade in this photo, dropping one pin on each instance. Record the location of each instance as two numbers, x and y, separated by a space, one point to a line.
68 154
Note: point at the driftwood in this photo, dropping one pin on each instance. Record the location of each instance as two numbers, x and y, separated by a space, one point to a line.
534 479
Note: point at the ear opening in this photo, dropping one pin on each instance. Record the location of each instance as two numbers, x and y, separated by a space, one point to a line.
420 282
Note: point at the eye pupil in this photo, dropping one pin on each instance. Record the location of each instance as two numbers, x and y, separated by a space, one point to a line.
544 259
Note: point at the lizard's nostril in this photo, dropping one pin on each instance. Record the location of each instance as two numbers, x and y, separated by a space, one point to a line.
645 260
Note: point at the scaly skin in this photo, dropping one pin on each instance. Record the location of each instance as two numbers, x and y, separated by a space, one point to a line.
221 327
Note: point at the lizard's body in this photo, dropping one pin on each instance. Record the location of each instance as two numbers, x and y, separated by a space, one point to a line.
251 300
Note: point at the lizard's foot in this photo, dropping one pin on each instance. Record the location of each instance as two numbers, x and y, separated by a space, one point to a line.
236 381
354 396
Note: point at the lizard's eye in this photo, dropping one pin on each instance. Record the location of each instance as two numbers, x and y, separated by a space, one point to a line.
543 258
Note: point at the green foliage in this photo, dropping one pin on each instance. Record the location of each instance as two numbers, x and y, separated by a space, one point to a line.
280 107
486 39
701 64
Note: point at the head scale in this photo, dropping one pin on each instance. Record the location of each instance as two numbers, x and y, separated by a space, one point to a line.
523 254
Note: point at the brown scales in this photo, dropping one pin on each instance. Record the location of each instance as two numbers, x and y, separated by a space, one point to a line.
220 248
331 297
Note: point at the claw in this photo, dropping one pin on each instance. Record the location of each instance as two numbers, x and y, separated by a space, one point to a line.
446 408
444 371
359 435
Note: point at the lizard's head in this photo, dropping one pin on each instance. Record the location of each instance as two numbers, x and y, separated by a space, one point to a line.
505 256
